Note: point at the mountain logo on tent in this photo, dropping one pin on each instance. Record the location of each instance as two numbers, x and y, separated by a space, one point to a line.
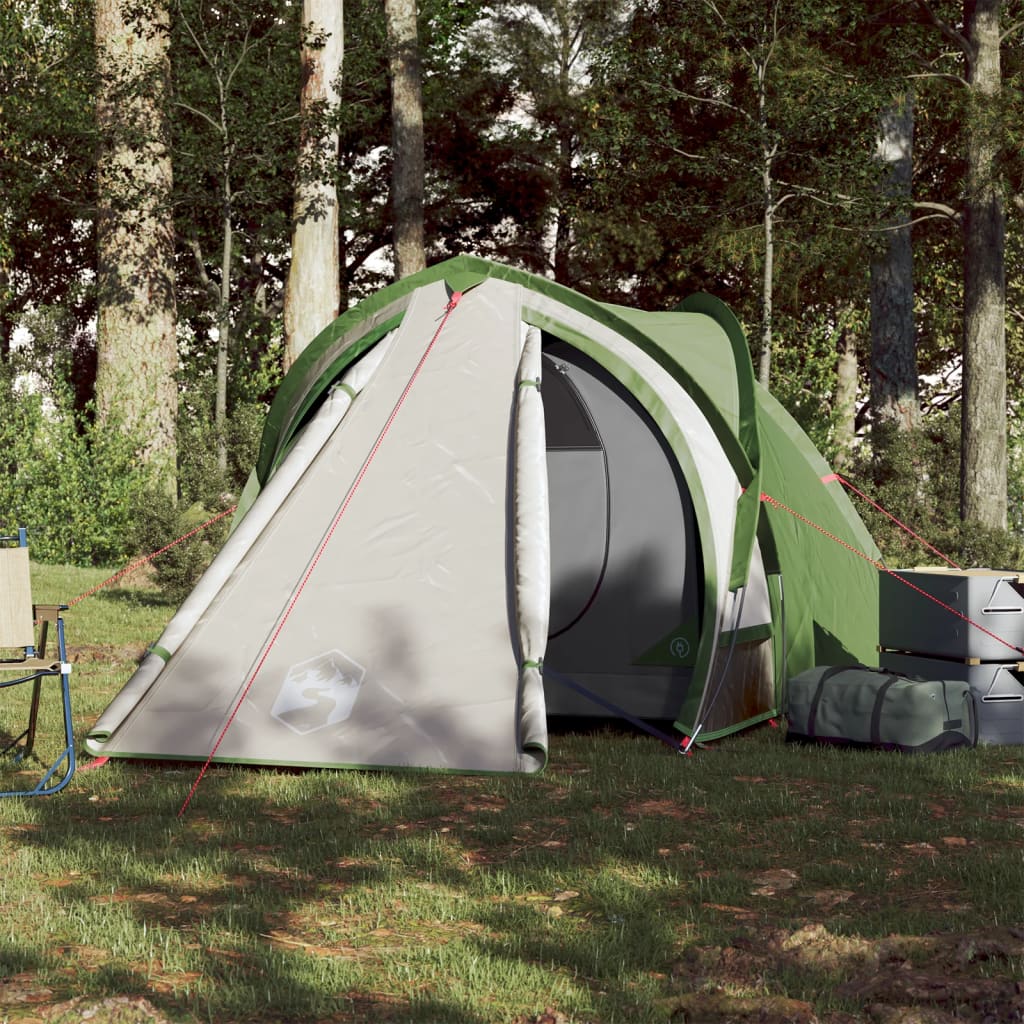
318 693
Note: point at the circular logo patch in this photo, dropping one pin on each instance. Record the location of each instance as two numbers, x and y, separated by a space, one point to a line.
680 647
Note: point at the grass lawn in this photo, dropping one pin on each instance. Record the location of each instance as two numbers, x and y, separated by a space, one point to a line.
754 881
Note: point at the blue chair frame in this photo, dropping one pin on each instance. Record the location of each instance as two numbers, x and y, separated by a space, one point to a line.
26 657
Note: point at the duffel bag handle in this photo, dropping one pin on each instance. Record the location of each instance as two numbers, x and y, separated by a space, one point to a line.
812 714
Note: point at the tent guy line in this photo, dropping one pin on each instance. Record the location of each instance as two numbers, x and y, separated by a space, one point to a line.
903 526
680 746
881 567
139 562
448 310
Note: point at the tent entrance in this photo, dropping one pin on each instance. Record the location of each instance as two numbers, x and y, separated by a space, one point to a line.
626 589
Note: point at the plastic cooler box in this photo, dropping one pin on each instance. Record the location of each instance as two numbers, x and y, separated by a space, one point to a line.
992 598
998 691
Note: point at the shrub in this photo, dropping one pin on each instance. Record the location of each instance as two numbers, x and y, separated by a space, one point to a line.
915 476
176 570
77 485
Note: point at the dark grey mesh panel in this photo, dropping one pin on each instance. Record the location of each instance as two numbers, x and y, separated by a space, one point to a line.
567 424
647 568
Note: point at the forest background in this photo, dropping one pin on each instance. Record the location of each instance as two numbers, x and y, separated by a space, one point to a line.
848 177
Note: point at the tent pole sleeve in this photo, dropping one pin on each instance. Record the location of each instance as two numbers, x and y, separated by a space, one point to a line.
530 550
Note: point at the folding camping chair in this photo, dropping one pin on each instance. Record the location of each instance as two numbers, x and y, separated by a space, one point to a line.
22 654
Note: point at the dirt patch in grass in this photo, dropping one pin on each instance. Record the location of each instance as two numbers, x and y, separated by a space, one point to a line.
662 809
896 980
115 1010
106 654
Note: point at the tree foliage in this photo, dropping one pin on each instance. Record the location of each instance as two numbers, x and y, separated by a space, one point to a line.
46 160
638 152
234 145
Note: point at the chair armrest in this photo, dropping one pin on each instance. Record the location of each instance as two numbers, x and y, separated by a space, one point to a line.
48 612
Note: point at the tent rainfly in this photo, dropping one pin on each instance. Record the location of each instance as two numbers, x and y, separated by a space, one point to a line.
477 475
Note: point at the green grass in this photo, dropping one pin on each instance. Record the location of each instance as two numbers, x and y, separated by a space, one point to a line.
616 886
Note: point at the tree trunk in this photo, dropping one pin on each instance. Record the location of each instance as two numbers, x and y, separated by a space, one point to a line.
136 317
7 323
764 366
220 416
893 372
769 149
983 460
563 218
312 295
407 136
846 394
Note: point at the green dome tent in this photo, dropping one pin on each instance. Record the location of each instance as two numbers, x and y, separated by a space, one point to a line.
476 474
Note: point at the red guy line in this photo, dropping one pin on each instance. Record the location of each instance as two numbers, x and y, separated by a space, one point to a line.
846 483
881 568
453 302
149 558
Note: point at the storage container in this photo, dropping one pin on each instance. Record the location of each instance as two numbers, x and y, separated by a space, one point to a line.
992 598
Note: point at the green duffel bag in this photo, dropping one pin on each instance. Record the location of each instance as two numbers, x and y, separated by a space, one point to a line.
859 706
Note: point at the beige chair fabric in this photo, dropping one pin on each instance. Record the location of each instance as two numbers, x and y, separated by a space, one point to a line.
16 627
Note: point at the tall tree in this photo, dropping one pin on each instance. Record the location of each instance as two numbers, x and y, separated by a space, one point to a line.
983 451
546 49
233 153
983 456
407 166
313 291
136 318
893 370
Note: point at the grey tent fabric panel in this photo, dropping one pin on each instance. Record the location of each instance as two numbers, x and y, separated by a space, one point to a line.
649 582
578 487
400 651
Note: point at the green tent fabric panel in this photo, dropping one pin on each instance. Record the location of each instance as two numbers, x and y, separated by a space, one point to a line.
678 647
249 494
696 342
830 594
718 311
697 352
749 514
771 411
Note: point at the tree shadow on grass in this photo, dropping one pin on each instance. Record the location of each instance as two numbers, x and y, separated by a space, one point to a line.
330 896
134 596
